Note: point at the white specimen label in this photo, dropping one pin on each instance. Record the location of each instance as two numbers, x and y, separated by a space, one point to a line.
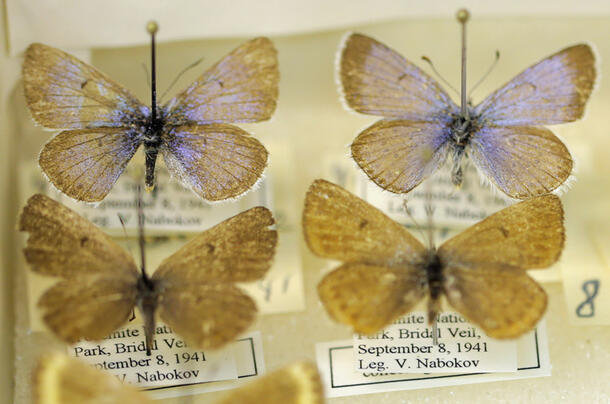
171 362
406 346
336 363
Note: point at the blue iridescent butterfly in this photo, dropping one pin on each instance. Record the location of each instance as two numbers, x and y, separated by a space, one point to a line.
502 135
104 124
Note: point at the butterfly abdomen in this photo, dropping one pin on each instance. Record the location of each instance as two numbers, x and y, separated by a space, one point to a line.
153 130
147 301
434 275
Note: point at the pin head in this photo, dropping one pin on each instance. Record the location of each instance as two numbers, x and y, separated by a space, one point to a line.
152 27
462 15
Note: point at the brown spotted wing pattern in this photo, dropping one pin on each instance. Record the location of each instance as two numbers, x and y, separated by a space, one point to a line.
481 271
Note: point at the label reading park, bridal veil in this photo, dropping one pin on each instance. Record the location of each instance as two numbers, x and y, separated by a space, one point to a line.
406 346
172 362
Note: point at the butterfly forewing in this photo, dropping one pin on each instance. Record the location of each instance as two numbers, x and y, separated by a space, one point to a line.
555 90
369 297
85 164
59 379
523 162
298 383
340 226
378 81
501 299
527 235
240 249
62 92
398 155
207 315
216 161
242 87
61 243
197 297
98 290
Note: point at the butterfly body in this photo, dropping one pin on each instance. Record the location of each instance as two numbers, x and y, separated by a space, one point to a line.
192 291
422 126
461 129
386 272
103 125
435 283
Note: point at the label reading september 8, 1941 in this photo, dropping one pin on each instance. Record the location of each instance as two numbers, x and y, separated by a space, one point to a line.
172 362
406 346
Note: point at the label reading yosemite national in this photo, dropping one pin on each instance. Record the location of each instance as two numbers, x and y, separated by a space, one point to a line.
406 346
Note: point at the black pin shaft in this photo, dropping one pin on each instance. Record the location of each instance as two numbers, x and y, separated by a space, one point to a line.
462 17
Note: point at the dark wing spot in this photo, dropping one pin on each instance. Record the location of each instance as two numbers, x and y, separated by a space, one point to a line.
402 76
84 83
210 248
83 241
503 231
363 224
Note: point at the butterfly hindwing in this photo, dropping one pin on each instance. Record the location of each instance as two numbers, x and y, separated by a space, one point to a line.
503 300
216 161
555 90
242 87
369 297
87 306
522 161
60 379
239 249
207 315
85 163
376 80
398 155
341 226
63 92
298 383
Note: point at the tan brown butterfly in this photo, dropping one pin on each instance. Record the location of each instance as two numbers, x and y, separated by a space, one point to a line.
503 135
193 290
103 124
386 271
59 379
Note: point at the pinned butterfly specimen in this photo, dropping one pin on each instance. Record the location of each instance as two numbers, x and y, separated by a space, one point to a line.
60 379
503 135
386 271
103 124
193 290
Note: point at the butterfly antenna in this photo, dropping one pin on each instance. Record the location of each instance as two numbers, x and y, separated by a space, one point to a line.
493 65
122 220
462 16
429 215
419 228
441 78
145 68
189 67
